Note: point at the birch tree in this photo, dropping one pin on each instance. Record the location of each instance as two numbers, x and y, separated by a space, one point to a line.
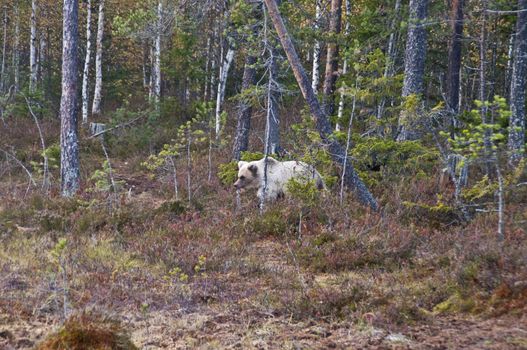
518 87
69 146
332 64
414 67
97 95
156 72
33 69
315 74
4 52
16 47
86 72
222 83
344 66
338 153
454 58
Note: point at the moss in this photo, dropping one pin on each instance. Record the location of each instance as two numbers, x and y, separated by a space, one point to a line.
88 332
455 303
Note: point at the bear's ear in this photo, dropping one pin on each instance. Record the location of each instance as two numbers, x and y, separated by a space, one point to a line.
253 169
241 163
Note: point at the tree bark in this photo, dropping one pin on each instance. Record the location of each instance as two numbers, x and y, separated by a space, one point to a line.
455 59
97 94
272 127
390 57
315 74
42 57
33 70
69 156
222 83
332 63
322 123
243 126
86 72
414 65
157 56
4 53
16 52
344 66
518 87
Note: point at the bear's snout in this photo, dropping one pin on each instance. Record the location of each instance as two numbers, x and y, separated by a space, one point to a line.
237 185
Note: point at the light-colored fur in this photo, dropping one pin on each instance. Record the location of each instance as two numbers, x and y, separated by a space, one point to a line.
251 175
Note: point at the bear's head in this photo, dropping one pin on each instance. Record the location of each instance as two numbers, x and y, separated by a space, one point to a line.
247 175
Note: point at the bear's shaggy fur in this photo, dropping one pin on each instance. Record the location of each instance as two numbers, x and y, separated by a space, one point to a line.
251 175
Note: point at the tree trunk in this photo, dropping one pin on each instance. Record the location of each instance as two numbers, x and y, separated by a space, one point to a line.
455 59
222 83
212 92
345 65
322 123
97 94
243 126
157 56
332 63
33 70
86 72
315 74
4 52
272 127
390 57
414 66
146 53
69 147
518 87
16 52
42 57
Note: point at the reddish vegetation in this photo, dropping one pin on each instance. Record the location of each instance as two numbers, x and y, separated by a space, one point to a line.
179 275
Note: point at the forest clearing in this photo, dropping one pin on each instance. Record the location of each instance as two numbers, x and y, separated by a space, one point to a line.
275 174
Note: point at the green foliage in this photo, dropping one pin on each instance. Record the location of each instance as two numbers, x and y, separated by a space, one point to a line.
471 141
53 154
101 179
272 222
304 190
307 140
389 157
436 216
228 172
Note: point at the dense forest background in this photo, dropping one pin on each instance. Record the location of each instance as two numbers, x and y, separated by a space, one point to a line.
121 125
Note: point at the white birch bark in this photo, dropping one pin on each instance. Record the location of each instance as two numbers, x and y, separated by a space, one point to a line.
344 67
207 64
86 72
33 69
42 51
16 53
4 48
315 74
97 95
224 72
157 56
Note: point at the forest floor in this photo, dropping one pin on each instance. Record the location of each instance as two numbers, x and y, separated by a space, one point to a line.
208 274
